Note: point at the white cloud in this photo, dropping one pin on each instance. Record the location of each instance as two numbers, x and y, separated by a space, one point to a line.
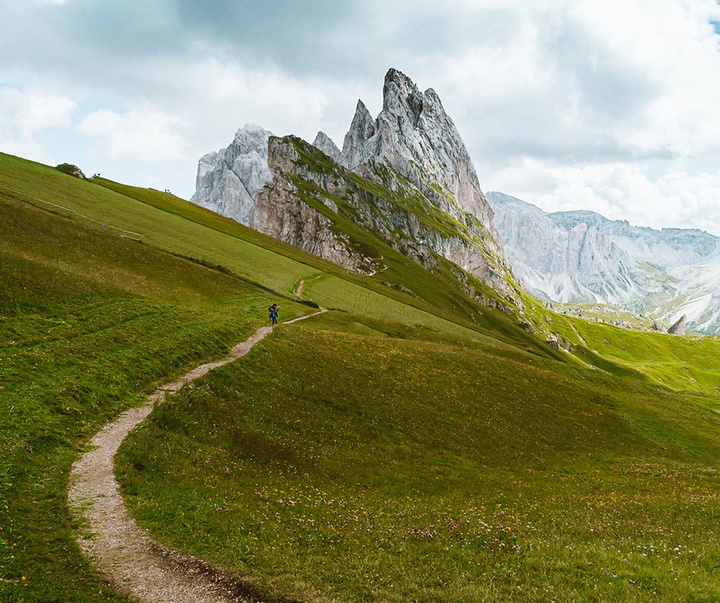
608 106
33 111
604 106
620 191
675 53
234 94
581 78
27 116
141 134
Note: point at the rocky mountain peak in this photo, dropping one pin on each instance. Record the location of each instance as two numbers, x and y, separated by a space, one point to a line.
362 129
229 180
326 145
403 99
415 136
400 92
582 257
679 327
405 177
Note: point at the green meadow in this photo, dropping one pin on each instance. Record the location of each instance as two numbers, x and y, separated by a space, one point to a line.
407 445
91 322
334 465
160 227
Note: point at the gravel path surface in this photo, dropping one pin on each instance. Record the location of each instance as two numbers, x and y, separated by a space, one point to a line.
116 545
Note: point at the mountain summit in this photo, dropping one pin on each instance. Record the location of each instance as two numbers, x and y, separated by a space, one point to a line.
415 136
402 180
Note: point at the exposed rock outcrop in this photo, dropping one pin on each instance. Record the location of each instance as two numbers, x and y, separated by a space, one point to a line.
678 328
229 180
281 210
415 137
356 149
405 177
327 146
72 170
581 257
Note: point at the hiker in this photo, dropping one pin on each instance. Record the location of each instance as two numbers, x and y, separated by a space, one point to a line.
273 313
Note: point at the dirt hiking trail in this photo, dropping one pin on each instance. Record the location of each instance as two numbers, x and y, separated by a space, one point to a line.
137 565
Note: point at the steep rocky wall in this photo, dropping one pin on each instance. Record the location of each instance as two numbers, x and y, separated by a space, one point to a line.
405 177
397 213
415 136
281 212
229 180
581 257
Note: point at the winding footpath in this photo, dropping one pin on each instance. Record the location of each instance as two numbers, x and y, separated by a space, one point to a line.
116 545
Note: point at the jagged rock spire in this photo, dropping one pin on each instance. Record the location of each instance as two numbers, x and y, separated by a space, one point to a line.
361 130
326 145
679 327
415 136
229 180
412 151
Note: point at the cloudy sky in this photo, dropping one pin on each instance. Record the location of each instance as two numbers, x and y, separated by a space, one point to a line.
612 106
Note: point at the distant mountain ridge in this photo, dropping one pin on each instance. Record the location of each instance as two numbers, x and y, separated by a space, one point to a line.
405 177
581 256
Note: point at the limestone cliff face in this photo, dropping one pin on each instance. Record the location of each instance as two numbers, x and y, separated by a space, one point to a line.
405 177
362 129
415 137
326 145
229 180
401 217
282 212
580 257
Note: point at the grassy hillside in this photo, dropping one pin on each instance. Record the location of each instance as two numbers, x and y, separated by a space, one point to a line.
397 448
404 292
679 363
397 209
337 463
89 323
165 230
181 228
